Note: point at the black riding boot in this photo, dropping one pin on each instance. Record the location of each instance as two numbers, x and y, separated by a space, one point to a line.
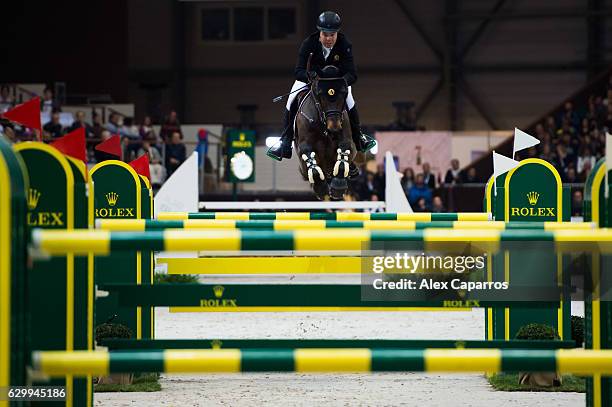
362 141
282 149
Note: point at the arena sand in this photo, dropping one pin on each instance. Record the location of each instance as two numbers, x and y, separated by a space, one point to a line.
282 389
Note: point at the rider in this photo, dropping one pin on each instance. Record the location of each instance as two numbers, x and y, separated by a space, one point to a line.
328 47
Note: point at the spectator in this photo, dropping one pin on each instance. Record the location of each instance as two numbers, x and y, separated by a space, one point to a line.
586 161
419 190
577 203
370 186
170 126
113 124
421 205
437 205
101 155
48 104
53 128
175 153
471 177
585 127
570 115
547 154
564 152
570 176
407 180
428 178
129 129
453 175
379 180
550 126
80 122
6 100
147 132
130 136
9 133
158 172
97 126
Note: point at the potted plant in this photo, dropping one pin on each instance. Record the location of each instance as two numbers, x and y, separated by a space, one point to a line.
110 330
542 379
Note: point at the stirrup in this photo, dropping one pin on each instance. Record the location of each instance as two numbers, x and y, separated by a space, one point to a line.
366 143
275 153
280 150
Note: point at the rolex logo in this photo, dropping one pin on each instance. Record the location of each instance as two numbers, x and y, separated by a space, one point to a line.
218 290
112 198
33 197
215 344
532 197
218 301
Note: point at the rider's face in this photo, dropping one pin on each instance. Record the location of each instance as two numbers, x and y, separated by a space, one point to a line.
328 39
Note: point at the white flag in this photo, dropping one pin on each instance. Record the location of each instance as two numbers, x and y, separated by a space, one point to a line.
502 164
608 161
522 141
179 193
395 198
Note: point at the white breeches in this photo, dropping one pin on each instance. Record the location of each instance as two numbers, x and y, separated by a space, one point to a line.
350 102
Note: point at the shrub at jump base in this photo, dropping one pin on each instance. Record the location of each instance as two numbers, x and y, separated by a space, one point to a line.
538 332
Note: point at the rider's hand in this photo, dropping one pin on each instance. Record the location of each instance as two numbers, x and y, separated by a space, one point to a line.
312 75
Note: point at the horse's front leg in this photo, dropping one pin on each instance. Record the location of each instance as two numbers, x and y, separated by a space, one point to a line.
314 173
343 169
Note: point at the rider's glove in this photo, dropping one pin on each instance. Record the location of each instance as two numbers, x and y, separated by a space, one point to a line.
312 75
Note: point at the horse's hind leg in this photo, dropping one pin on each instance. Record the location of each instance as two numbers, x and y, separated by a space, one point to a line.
312 171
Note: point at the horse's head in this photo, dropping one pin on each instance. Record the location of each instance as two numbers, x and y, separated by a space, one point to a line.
330 89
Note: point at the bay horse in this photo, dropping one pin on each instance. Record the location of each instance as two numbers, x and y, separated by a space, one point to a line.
323 140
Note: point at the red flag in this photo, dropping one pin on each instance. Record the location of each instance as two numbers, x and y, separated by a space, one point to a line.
26 114
141 166
73 144
111 146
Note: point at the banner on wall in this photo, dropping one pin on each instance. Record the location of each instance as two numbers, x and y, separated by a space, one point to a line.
415 148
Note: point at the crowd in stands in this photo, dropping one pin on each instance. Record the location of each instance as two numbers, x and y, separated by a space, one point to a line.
575 139
572 141
166 150
419 188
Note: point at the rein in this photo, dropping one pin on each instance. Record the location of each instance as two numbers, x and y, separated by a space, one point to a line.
320 112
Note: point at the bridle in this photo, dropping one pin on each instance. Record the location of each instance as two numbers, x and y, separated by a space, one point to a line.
323 116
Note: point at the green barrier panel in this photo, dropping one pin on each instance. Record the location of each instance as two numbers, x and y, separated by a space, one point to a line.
14 336
148 314
530 192
288 297
118 194
594 209
60 290
147 344
598 314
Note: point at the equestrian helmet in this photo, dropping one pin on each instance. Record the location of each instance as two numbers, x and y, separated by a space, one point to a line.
328 22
